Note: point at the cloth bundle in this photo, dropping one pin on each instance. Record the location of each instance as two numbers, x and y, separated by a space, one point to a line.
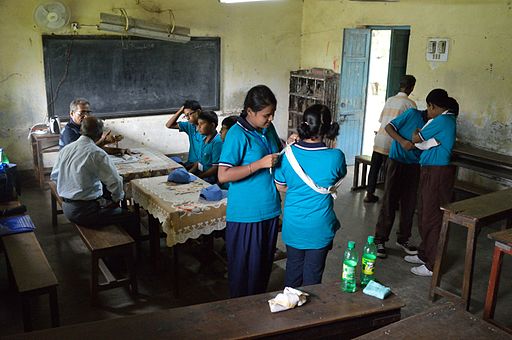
213 193
288 299
376 290
181 176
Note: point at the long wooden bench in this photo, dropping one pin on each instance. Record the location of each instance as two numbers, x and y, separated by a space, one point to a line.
109 241
56 202
30 270
328 313
365 161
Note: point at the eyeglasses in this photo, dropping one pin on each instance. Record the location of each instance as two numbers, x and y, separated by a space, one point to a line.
83 113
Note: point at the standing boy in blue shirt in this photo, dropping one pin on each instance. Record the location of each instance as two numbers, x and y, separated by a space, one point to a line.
191 110
401 184
436 177
207 165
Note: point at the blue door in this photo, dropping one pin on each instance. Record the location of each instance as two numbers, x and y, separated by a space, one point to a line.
352 95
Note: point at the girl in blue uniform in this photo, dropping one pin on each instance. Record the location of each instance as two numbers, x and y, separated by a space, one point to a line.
249 152
309 221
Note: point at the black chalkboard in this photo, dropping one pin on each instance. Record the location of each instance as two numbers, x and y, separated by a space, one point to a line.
124 77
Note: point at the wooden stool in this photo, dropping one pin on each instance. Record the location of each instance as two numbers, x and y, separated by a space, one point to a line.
502 245
473 214
109 241
55 199
365 160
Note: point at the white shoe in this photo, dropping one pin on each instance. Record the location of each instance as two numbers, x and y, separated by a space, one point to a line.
421 271
413 259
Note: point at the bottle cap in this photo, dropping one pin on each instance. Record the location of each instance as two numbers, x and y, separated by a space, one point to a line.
351 244
370 239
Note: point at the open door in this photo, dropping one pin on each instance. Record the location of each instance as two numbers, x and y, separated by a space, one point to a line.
397 59
352 95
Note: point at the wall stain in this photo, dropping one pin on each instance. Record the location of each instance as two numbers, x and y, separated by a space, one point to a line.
10 76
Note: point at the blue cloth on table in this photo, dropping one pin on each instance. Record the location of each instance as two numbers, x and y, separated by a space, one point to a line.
213 193
177 159
377 290
16 224
181 176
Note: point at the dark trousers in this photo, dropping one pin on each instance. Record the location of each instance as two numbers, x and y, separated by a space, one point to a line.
91 214
400 188
304 267
436 185
250 250
377 160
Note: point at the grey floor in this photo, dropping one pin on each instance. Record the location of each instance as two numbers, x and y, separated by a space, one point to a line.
203 279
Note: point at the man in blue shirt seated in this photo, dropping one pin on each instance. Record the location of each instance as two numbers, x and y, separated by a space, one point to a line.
79 172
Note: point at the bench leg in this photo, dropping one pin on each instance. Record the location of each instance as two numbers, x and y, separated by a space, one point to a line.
25 309
469 266
54 307
494 280
355 181
364 176
132 272
54 210
441 249
94 278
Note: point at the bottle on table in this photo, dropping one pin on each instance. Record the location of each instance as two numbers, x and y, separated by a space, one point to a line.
368 261
350 259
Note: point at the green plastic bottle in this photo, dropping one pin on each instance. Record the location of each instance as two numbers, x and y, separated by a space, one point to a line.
348 277
368 261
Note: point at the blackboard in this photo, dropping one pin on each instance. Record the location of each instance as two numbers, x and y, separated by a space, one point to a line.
123 77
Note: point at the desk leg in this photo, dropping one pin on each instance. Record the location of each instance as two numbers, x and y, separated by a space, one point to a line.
469 265
441 249
507 223
494 280
355 182
54 307
138 241
154 241
175 270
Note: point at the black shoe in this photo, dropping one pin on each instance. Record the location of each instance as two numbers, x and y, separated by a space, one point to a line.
410 250
370 198
381 251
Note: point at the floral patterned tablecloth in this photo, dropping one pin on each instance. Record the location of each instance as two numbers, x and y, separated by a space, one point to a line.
149 163
179 208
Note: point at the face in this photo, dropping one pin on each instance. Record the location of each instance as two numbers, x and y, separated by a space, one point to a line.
433 111
191 115
261 119
82 111
223 132
205 128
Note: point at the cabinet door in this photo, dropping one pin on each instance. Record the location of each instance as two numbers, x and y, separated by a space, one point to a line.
352 91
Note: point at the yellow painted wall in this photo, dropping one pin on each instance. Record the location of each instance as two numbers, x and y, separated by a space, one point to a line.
478 72
260 44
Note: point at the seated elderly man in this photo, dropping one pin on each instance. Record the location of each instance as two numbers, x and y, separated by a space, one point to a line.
79 172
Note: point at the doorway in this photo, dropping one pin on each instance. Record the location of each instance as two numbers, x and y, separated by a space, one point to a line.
374 60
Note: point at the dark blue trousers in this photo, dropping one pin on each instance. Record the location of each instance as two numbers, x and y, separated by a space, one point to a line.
250 248
304 267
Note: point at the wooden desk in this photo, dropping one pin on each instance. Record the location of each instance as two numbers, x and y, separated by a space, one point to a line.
502 245
473 214
329 312
440 322
43 144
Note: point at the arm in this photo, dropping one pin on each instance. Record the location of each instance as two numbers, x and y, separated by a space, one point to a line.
236 173
171 123
406 144
281 188
416 137
210 172
194 168
105 138
108 175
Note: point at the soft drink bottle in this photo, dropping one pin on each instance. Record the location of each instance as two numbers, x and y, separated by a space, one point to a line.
348 278
368 261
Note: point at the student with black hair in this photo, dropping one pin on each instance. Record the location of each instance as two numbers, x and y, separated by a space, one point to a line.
249 153
227 123
309 221
191 110
207 165
437 176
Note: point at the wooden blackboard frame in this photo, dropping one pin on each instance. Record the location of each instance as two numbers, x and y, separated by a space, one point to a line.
56 73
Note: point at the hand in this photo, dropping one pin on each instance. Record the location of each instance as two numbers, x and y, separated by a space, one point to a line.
104 136
407 145
180 111
269 161
126 152
294 137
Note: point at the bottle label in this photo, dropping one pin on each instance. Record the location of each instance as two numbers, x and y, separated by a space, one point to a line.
368 266
348 272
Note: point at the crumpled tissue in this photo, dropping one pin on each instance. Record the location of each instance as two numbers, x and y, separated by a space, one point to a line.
288 299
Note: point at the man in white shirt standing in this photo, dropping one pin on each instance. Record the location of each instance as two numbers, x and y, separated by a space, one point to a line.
394 106
79 172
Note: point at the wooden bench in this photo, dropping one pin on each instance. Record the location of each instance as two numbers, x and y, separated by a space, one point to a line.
109 241
502 245
329 312
470 188
55 200
30 269
441 322
366 162
473 214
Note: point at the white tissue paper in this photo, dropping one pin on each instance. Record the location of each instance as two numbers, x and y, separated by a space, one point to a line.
288 299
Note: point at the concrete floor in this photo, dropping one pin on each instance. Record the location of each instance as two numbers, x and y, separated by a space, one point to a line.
203 279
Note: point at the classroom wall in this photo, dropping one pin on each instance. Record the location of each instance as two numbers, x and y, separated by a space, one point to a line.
260 44
477 73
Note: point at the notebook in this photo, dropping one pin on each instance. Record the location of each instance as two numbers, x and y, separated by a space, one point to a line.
16 224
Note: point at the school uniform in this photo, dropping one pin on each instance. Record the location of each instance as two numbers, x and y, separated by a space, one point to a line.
195 140
402 178
210 155
253 209
309 221
436 183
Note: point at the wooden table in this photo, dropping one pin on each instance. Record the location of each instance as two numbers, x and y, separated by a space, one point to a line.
502 245
473 214
441 322
329 312
43 144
